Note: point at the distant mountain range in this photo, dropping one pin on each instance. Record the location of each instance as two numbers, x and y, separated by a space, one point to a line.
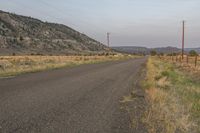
26 35
144 50
195 49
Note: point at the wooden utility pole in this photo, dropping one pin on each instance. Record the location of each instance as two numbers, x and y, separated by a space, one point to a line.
183 39
108 39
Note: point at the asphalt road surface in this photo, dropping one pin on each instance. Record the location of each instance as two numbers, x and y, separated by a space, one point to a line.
83 99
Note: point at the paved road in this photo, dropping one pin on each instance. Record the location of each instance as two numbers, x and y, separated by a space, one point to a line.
83 99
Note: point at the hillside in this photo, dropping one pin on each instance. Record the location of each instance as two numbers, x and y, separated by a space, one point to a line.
26 35
131 49
144 50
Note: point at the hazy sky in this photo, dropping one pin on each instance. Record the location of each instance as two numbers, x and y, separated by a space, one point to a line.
150 23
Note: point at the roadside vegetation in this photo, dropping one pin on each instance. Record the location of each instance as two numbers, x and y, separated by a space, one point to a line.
174 98
14 65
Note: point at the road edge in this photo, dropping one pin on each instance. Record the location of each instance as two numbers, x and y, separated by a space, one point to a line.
135 103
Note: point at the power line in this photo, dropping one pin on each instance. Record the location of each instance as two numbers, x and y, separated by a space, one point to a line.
108 39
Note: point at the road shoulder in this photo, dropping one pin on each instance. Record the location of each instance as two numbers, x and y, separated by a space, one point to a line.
134 104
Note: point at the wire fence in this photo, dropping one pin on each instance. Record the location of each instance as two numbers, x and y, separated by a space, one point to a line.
192 62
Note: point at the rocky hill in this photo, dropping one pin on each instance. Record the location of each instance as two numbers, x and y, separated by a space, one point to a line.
26 35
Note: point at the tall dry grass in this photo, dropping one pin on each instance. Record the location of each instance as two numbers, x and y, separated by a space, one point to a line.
13 65
168 111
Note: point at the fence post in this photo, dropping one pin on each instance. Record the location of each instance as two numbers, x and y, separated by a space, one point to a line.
195 61
172 58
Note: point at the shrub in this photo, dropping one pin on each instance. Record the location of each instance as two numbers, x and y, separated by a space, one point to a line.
21 38
107 54
153 53
193 53
165 73
161 54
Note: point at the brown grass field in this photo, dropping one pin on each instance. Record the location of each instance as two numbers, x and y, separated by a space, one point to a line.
14 65
173 95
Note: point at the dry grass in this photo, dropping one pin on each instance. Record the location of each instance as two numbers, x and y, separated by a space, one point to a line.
174 100
14 65
189 66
